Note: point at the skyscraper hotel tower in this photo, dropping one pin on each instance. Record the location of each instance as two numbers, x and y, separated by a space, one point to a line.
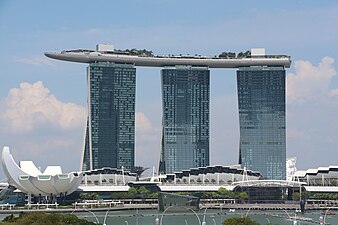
185 108
110 132
261 106
185 120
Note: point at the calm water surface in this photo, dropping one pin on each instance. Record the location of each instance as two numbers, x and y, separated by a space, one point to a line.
212 217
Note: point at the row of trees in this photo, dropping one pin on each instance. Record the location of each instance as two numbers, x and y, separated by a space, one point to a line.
232 55
325 196
134 51
143 193
138 193
89 196
221 193
319 196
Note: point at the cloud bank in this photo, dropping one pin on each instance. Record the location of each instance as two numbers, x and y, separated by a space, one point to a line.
312 113
310 82
32 105
147 141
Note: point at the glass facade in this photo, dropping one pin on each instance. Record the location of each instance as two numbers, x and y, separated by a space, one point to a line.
261 103
110 130
185 118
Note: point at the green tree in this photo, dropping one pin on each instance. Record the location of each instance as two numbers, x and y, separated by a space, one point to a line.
94 196
154 195
305 195
132 192
89 196
144 192
242 196
213 194
239 221
42 218
296 196
83 196
223 192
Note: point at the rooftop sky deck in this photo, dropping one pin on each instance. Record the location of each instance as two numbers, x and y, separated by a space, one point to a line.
150 60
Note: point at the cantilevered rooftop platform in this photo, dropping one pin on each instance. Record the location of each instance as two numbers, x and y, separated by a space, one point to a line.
117 56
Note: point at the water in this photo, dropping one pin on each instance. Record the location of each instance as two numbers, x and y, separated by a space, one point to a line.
212 217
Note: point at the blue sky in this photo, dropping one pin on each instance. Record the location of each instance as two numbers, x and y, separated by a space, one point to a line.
42 101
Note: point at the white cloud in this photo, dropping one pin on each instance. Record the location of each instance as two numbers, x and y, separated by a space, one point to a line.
143 123
224 130
334 92
148 138
32 105
35 60
312 114
309 81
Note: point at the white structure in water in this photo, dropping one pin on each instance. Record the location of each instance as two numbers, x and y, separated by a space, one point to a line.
29 179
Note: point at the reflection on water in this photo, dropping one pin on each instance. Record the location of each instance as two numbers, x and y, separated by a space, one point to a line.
212 217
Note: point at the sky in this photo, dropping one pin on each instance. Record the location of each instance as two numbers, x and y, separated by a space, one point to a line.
43 101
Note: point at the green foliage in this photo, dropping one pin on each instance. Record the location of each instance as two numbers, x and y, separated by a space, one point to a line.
325 196
232 55
227 55
134 51
41 218
144 192
135 193
305 195
208 194
224 193
244 54
89 196
239 221
132 192
154 195
296 196
242 196
120 195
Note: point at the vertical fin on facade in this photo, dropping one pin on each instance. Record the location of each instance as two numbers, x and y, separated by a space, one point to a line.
86 155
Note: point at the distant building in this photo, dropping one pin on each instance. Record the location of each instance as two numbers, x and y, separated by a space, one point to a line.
110 132
322 176
50 184
185 122
212 175
261 103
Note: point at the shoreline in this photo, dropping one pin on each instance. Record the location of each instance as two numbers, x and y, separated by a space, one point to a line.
251 207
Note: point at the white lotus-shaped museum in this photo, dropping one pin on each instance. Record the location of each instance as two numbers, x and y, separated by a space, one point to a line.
29 179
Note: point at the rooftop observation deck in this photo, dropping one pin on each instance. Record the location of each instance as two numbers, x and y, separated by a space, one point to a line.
149 60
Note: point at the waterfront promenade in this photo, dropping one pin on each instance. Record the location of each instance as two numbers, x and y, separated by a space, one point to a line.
122 207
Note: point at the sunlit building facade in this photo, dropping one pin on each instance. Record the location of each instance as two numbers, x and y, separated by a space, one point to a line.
110 131
185 118
261 103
